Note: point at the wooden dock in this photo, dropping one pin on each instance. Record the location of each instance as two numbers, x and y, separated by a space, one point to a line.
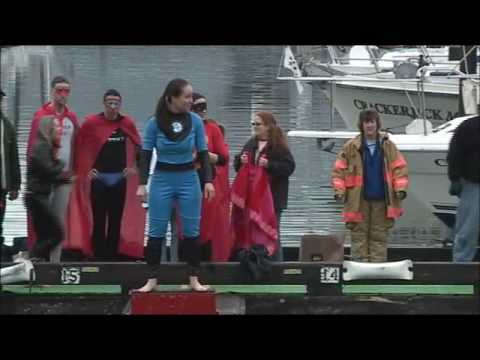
316 288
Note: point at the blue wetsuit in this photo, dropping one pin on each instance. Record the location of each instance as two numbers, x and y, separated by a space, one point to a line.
170 184
175 180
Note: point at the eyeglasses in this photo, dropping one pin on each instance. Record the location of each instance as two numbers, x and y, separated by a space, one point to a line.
256 123
63 91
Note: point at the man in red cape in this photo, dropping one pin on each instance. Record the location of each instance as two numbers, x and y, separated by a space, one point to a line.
97 131
253 215
60 91
215 230
223 249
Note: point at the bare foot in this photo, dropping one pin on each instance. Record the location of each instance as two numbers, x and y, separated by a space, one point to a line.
196 286
148 287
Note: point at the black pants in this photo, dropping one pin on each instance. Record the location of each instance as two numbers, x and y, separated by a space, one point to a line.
3 205
205 252
107 203
47 225
278 256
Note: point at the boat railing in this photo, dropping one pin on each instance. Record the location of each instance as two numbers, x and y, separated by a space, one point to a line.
431 59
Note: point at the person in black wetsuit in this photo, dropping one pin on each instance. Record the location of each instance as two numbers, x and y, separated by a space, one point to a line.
109 177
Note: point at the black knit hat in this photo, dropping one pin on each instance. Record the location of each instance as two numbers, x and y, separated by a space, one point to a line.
196 96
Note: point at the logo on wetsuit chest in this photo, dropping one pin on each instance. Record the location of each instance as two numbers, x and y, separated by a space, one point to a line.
177 127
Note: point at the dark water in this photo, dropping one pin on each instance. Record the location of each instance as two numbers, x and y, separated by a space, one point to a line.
237 80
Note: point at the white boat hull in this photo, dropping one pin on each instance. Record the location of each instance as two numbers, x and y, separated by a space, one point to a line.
429 183
395 107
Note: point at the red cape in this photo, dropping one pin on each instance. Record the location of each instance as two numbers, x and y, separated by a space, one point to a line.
46 110
92 136
253 215
215 221
220 225
215 216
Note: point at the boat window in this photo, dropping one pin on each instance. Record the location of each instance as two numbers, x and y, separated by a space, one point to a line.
439 73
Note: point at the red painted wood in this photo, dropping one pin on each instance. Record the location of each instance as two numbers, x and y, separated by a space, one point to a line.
188 303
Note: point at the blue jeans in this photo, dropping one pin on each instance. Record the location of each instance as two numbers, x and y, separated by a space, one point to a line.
467 226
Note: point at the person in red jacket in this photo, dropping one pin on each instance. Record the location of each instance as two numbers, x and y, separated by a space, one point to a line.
215 221
109 216
59 200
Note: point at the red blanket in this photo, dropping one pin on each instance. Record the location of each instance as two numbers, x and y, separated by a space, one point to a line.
92 136
253 214
46 110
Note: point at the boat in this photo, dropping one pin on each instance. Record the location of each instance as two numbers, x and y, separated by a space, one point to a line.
370 60
402 93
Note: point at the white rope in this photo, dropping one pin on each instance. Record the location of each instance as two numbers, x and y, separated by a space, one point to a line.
411 102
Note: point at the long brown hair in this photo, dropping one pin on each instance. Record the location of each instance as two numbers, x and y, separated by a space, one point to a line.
369 115
163 115
277 141
47 133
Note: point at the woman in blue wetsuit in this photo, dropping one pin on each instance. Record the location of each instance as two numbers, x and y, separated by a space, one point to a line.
175 133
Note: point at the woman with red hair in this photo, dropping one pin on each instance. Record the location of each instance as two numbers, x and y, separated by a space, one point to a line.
260 190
